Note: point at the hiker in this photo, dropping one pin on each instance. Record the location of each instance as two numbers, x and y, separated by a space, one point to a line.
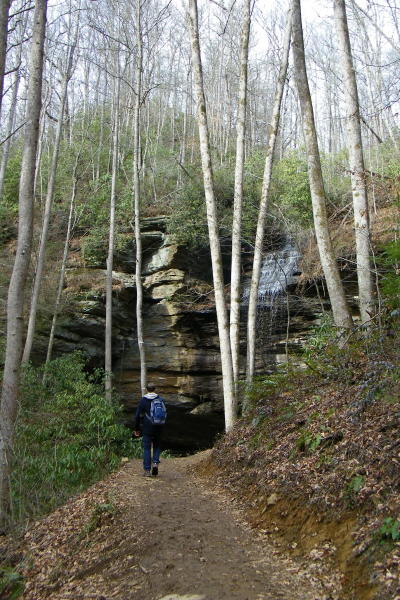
149 420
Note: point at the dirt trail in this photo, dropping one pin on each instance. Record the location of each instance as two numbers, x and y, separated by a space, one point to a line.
171 536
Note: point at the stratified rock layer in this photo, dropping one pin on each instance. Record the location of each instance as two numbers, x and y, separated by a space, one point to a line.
180 332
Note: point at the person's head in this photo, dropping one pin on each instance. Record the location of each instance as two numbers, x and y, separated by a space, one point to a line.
150 387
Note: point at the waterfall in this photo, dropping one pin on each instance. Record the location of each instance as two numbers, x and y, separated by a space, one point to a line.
278 272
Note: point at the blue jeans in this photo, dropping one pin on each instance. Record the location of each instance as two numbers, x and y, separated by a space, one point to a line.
150 440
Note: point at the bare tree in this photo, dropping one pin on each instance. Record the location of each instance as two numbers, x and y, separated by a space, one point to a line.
340 309
12 113
48 205
394 45
16 292
4 14
238 196
111 237
262 213
216 259
136 197
357 167
10 128
61 278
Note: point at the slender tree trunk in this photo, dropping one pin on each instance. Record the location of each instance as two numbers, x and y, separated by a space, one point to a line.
216 259
183 146
10 128
114 171
47 213
340 309
39 152
101 134
16 292
238 195
4 14
136 194
63 268
357 167
13 108
262 213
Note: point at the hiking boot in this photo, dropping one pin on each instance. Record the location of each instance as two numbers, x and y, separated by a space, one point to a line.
146 474
154 470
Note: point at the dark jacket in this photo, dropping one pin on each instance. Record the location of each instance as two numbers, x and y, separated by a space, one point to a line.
143 423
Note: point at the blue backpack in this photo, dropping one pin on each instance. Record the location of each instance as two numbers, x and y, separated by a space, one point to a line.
158 411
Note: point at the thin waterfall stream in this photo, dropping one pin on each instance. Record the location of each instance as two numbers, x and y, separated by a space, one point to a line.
278 273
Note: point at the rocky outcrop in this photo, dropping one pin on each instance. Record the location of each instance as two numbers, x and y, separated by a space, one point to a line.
181 339
180 332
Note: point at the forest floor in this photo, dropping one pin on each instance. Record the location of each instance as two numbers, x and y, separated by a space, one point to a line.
177 536
317 466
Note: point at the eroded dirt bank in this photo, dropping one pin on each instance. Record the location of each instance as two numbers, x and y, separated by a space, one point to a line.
129 537
316 464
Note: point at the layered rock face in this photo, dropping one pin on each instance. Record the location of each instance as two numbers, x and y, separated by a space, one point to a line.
181 340
180 332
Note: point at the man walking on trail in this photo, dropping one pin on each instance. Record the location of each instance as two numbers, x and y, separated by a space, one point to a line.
150 418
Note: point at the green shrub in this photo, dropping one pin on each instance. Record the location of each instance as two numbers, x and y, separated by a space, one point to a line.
352 488
308 441
390 283
322 340
390 529
261 388
8 226
11 182
9 200
337 182
95 246
387 156
67 436
11 583
101 513
290 191
188 222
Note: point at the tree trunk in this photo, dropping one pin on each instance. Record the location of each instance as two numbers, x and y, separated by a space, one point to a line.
97 160
340 309
13 107
4 14
238 195
16 292
10 128
47 213
39 152
108 333
216 259
63 267
136 194
357 167
262 213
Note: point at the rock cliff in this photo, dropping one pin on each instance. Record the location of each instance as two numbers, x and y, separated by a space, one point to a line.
180 331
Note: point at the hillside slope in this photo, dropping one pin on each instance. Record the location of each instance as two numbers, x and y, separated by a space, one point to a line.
317 462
